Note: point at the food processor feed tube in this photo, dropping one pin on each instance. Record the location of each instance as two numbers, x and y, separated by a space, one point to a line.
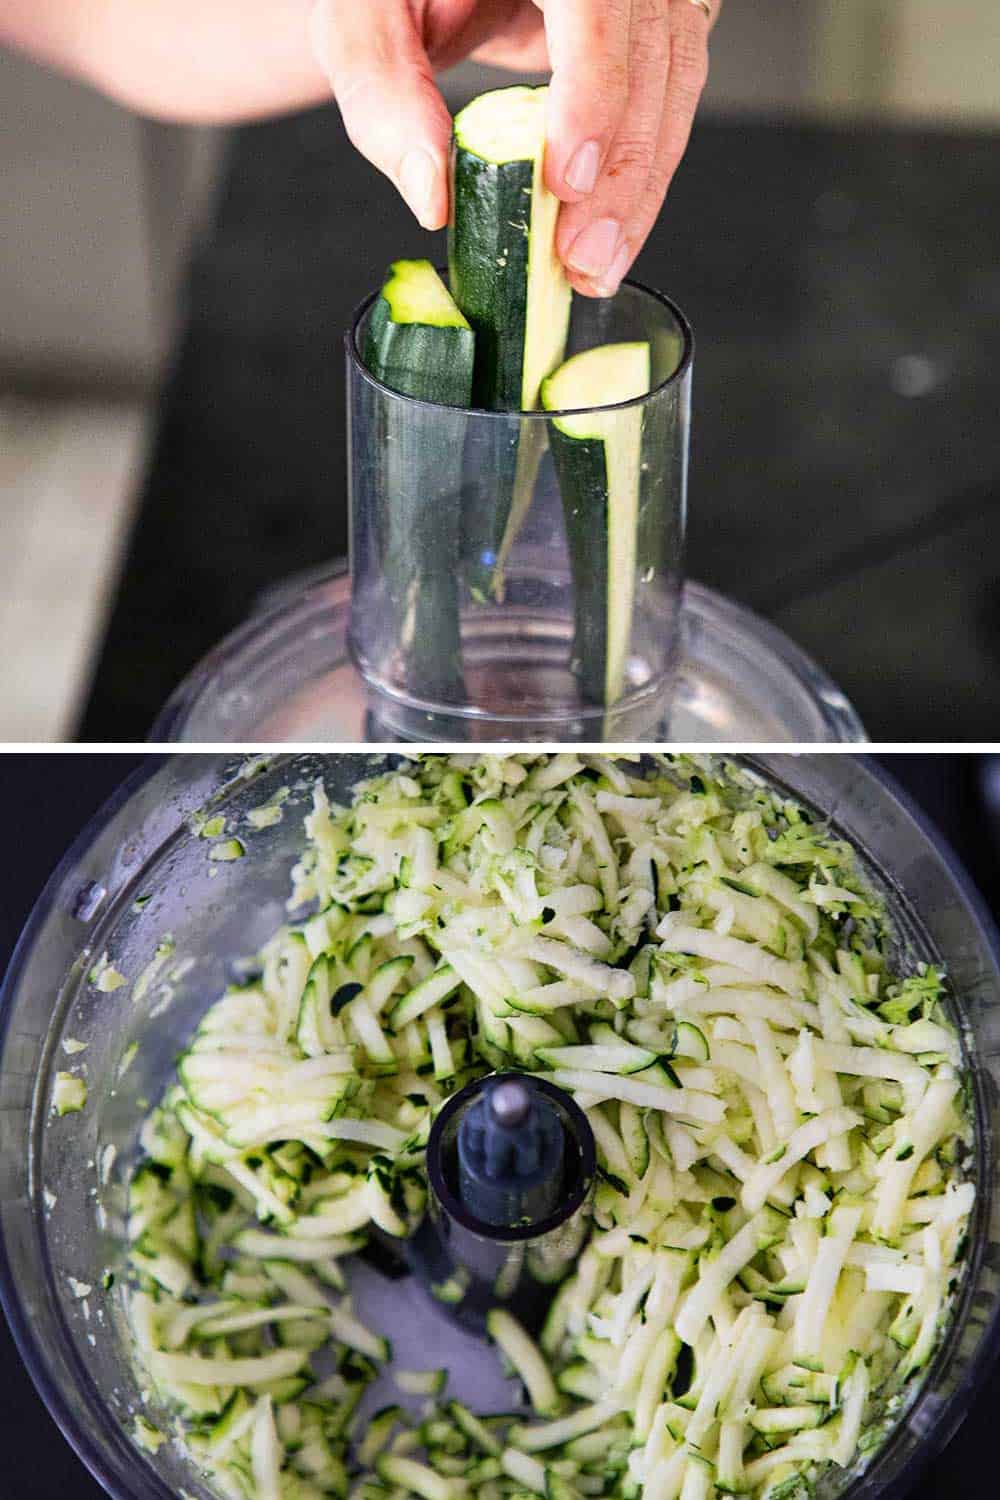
574 632
511 1164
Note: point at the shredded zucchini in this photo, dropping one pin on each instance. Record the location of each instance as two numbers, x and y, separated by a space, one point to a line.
781 1123
69 1094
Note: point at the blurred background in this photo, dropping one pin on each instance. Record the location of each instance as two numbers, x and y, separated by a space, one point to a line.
171 396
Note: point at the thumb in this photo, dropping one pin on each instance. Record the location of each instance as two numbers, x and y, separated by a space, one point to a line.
382 80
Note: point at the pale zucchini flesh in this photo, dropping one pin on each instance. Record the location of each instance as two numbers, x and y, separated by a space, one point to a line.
598 458
417 341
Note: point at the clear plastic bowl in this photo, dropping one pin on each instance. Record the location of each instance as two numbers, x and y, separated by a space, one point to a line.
62 1181
286 676
467 570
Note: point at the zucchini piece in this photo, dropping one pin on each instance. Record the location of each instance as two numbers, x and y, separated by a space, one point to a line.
505 274
314 1027
230 1424
429 992
530 1439
151 1201
69 1094
559 1488
368 1027
448 1463
441 1435
524 1470
474 1429
620 1057
451 1291
376 1438
773 1419
690 1041
302 1333
345 1327
793 1385
418 343
277 1364
164 1266
385 980
421 1382
598 458
555 1326
527 1360
509 282
416 1478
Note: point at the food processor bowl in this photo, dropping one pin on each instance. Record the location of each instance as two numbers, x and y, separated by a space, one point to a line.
140 886
286 676
476 557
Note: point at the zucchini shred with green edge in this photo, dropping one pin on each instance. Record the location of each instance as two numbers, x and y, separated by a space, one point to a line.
781 1121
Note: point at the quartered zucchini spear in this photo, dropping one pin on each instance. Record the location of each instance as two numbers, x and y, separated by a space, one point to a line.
781 1123
505 273
598 459
420 344
417 341
510 284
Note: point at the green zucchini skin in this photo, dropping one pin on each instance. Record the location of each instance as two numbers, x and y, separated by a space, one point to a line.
489 201
426 360
492 213
509 283
581 468
418 489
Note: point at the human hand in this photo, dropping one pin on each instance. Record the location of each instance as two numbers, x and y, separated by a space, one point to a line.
626 79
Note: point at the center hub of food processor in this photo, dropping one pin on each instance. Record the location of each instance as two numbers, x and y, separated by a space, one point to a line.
511 1163
510 1154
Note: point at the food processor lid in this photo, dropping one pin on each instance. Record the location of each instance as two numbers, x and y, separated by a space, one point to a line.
286 676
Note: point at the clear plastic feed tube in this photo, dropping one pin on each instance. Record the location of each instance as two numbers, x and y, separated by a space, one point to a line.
517 575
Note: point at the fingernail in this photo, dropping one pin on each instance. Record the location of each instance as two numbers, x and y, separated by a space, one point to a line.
595 248
584 164
417 176
611 280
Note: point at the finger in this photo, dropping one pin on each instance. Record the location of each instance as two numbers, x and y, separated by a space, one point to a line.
382 80
595 237
588 49
710 9
689 30
521 47
501 33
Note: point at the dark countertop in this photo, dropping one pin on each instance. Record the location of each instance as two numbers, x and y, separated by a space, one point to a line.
48 798
844 288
